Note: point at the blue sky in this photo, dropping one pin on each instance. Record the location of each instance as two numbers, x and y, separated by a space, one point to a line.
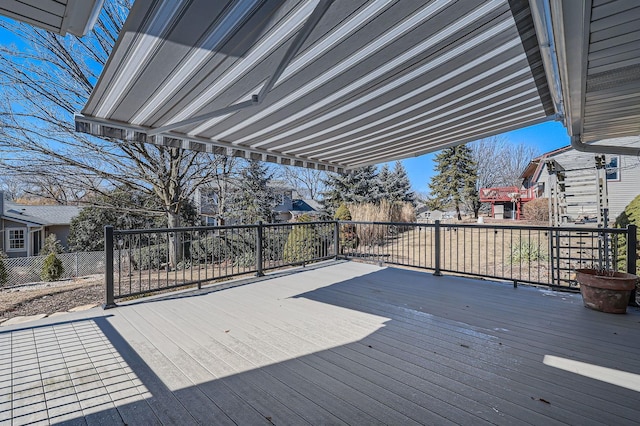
545 137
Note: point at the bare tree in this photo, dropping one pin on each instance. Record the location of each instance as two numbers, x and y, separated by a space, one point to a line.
224 183
45 79
500 162
309 183
11 186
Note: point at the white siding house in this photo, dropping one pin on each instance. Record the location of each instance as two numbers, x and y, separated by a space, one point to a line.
622 178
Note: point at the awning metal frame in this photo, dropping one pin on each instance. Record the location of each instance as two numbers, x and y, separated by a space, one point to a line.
129 132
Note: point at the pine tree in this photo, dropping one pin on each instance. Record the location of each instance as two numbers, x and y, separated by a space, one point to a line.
363 185
400 186
253 200
334 194
455 181
385 183
359 186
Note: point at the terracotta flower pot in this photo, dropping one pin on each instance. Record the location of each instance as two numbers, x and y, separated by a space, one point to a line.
607 292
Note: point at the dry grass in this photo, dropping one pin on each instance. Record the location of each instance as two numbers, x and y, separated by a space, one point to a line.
518 255
382 212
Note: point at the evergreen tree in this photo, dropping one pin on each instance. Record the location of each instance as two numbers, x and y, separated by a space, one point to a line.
253 200
362 184
399 187
334 193
52 268
51 245
302 243
455 181
385 183
359 186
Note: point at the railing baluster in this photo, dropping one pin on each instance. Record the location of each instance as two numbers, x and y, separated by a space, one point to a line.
390 243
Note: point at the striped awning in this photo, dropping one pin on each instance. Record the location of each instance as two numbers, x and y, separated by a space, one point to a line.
321 84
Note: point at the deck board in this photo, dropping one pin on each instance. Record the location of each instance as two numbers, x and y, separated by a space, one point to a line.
346 343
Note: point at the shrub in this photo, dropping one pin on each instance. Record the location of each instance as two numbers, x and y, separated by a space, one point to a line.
51 245
274 242
537 210
244 260
630 216
4 275
303 242
150 257
342 213
52 268
527 251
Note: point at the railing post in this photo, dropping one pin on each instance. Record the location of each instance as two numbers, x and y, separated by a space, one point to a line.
259 240
437 271
108 275
632 244
336 239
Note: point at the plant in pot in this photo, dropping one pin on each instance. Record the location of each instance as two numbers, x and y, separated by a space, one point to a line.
606 290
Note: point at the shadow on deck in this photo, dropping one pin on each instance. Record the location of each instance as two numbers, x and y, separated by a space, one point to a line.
345 344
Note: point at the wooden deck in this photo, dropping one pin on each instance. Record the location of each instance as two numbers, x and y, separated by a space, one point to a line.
346 343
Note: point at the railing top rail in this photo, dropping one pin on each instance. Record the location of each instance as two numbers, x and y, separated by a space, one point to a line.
578 228
357 222
283 224
213 228
539 228
181 229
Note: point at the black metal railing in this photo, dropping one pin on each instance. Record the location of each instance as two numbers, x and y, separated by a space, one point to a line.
529 254
146 261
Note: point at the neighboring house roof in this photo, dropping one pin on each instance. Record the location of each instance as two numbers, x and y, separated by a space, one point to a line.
306 205
40 215
536 165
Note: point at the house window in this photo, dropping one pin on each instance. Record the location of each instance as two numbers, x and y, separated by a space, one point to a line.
613 168
15 239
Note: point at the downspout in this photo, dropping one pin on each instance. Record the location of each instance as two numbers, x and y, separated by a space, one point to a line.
578 145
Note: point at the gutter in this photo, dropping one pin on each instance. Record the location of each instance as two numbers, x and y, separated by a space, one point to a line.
578 145
548 17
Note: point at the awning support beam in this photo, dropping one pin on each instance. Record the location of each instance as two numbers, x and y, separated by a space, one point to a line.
301 37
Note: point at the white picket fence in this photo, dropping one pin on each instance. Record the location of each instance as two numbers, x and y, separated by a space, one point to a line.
23 270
